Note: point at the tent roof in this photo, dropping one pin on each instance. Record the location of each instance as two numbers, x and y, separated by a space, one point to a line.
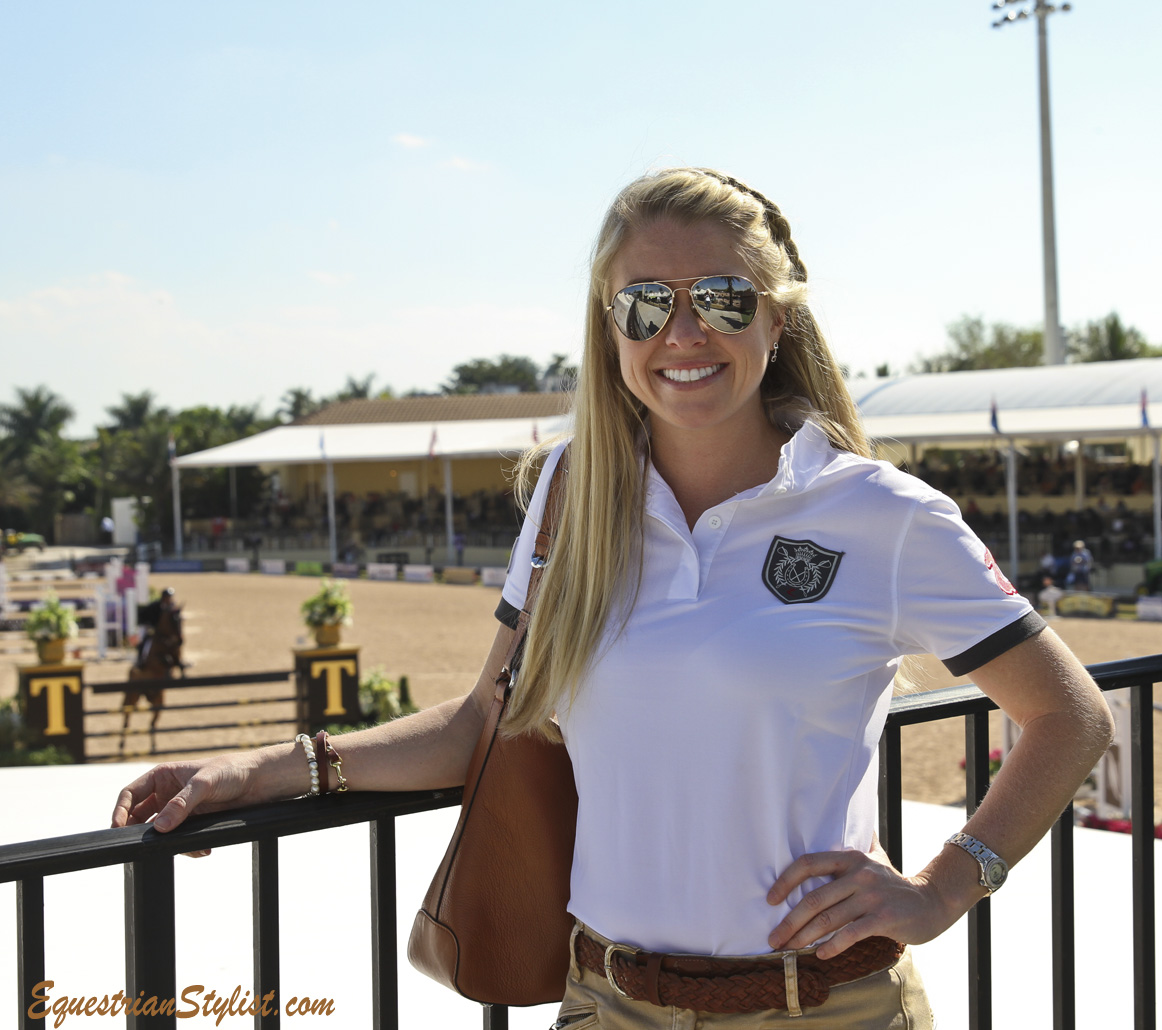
443 408
379 441
1051 402
1100 399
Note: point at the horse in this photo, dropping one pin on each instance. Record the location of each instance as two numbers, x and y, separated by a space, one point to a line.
159 657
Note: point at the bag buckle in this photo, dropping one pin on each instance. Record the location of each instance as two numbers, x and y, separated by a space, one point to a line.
609 953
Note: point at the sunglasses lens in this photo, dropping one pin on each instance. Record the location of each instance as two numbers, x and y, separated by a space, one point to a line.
641 310
727 303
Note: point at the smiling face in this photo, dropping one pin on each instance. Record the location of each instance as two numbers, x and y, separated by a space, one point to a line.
688 376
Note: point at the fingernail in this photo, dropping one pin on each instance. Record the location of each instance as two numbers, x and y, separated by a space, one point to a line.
162 823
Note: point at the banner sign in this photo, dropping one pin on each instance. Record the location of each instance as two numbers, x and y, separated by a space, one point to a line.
177 565
1086 606
493 577
1150 609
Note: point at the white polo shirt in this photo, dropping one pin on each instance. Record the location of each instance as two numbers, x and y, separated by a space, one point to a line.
733 724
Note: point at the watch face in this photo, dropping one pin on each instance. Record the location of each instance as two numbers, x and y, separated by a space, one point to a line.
995 874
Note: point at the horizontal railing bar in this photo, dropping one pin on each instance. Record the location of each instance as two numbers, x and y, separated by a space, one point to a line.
199 704
191 681
137 843
141 731
966 699
132 756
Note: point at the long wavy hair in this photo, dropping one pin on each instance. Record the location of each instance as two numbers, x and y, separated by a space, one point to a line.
595 566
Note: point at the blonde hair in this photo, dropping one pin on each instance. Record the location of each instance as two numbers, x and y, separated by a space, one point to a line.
595 564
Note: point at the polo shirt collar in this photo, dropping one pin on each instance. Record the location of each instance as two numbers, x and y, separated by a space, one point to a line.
803 458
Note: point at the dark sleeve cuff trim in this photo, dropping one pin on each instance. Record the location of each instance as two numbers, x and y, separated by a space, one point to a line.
507 614
1028 625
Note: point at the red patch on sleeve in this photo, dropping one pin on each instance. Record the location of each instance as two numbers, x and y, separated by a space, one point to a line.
1000 577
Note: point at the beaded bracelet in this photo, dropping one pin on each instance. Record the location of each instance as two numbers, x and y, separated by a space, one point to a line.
323 744
312 762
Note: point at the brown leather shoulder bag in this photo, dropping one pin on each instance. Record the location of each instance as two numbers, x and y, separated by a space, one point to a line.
493 926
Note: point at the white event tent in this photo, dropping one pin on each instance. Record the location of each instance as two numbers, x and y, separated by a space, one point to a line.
372 441
1099 400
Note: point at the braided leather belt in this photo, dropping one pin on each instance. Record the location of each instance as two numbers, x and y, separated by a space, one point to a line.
754 984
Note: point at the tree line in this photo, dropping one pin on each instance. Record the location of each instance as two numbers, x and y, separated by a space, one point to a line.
45 473
974 345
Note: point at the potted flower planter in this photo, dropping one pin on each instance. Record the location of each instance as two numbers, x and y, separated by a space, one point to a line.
51 652
50 626
327 611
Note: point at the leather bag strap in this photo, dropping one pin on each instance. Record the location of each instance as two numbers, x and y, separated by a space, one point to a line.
545 535
544 542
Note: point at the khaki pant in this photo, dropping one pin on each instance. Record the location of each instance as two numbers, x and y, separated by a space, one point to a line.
893 999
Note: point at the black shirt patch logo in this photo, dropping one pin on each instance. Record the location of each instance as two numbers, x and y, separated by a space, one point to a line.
798 571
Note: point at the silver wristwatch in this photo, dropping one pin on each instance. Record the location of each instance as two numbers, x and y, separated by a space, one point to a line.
993 869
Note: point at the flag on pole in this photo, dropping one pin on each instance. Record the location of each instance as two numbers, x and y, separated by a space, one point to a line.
993 416
172 449
432 444
536 434
322 446
1145 410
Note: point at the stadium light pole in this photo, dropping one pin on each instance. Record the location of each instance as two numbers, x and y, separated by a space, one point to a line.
1019 10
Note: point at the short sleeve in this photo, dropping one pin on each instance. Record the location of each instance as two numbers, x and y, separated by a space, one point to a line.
953 599
516 583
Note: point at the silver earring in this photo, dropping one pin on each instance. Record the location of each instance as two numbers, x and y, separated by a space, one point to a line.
774 351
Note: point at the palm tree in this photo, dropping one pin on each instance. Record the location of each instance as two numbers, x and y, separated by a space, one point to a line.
133 412
55 467
35 411
356 389
297 403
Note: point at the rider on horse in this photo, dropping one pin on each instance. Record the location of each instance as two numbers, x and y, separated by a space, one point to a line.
149 617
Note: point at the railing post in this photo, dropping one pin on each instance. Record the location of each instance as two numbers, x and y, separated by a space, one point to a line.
30 945
149 943
1062 924
495 1017
384 952
891 795
1142 843
264 908
980 968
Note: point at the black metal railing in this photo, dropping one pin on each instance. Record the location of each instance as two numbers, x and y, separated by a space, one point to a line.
967 702
147 857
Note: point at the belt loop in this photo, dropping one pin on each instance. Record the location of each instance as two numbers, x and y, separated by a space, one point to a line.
791 972
574 968
653 968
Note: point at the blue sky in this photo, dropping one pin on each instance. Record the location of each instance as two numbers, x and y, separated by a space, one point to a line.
222 201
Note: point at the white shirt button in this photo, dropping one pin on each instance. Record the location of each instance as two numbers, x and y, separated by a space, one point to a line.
714 521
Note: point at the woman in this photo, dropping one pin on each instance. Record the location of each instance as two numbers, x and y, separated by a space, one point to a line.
731 588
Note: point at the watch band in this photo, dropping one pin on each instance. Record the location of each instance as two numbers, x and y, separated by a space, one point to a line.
993 869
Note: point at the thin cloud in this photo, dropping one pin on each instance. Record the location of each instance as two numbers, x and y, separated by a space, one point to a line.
462 164
406 139
329 278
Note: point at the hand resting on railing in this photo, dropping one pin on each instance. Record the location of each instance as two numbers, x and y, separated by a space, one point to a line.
425 751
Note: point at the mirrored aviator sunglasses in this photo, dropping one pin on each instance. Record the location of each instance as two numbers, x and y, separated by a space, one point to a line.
726 303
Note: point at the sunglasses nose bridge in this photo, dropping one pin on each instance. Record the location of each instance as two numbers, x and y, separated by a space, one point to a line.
684 317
